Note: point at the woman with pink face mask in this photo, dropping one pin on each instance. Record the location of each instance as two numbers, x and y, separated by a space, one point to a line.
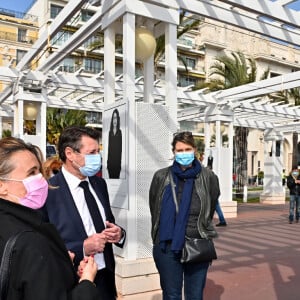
40 267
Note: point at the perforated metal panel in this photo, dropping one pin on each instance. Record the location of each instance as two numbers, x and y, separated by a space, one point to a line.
153 152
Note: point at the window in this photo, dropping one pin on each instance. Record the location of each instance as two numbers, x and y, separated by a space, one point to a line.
54 10
186 81
20 55
68 65
190 62
61 37
93 40
86 15
22 35
92 65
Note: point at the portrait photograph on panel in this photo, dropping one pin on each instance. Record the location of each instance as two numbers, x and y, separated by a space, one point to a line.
114 152
114 142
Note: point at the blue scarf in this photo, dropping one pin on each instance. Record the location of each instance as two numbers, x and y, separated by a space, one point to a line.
172 227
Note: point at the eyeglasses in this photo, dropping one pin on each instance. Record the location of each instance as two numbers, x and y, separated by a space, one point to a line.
182 134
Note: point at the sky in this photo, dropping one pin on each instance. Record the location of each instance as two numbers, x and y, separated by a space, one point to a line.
17 5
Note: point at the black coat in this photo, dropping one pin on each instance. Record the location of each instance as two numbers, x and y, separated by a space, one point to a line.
292 185
206 186
41 267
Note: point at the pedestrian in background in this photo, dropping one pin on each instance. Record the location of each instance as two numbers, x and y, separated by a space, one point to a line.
293 184
222 221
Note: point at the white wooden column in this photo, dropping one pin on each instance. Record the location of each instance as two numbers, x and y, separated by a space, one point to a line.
109 65
274 192
171 69
129 97
230 158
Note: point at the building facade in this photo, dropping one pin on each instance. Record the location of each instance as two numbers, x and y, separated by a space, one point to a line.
197 48
18 33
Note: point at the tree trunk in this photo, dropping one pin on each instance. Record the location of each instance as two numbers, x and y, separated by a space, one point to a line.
295 150
241 134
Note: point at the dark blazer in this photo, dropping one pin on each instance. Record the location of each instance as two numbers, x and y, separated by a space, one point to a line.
60 210
41 267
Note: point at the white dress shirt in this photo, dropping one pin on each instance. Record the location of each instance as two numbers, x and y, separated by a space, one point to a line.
78 197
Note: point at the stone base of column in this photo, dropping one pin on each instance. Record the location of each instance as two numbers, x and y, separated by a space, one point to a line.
229 209
137 279
272 199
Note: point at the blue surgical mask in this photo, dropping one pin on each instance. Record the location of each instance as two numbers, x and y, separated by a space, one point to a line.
295 173
185 158
92 165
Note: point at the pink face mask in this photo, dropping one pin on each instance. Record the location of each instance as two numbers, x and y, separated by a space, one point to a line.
37 191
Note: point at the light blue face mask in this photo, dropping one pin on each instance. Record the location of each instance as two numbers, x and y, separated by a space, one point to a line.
185 158
92 165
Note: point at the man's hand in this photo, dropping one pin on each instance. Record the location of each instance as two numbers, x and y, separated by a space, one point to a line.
112 232
95 243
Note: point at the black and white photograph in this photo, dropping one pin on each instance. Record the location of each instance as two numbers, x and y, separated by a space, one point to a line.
114 153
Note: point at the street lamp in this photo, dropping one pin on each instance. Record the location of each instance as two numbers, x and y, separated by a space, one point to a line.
145 43
30 111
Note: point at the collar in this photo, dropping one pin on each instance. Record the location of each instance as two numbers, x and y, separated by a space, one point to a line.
72 180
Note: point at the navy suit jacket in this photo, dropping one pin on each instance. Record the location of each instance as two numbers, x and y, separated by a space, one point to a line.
60 210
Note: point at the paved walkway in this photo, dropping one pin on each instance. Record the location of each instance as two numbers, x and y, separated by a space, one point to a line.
258 256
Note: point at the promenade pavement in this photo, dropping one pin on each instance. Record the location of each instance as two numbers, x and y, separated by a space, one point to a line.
258 256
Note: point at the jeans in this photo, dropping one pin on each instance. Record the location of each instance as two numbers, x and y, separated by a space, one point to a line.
220 213
294 199
173 274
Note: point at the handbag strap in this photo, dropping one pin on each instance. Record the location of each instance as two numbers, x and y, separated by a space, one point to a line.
6 263
173 190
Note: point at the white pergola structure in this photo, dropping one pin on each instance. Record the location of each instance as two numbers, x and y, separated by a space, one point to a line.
152 109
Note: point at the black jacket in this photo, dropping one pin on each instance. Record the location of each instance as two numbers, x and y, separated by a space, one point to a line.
41 267
207 187
292 185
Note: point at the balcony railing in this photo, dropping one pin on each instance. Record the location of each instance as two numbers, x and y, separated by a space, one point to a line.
18 15
8 36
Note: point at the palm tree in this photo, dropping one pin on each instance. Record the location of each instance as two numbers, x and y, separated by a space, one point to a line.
231 71
186 24
58 119
234 70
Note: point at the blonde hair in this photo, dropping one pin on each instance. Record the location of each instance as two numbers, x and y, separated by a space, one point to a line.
11 145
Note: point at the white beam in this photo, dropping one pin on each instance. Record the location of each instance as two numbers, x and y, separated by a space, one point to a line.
259 88
76 40
284 2
224 13
67 12
273 10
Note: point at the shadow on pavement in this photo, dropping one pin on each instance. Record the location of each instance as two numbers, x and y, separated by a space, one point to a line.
258 256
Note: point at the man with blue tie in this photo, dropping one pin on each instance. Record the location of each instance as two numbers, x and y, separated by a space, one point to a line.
78 205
